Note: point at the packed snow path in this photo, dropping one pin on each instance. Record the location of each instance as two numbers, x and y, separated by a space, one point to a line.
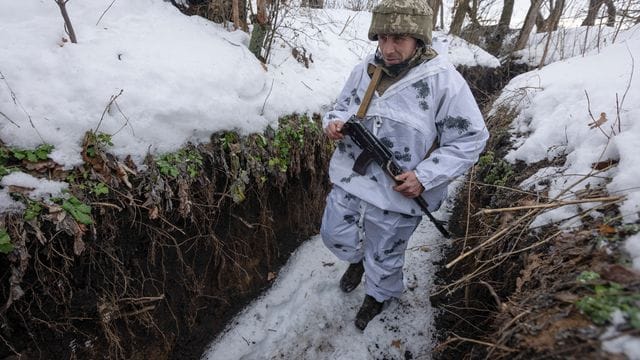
305 315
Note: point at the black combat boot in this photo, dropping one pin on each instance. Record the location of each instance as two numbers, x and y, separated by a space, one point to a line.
352 277
369 309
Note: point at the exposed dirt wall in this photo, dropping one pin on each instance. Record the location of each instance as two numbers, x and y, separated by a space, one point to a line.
172 254
506 291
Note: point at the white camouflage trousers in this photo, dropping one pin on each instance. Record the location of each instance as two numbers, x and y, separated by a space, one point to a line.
355 230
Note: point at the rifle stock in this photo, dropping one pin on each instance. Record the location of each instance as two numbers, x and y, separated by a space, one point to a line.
374 150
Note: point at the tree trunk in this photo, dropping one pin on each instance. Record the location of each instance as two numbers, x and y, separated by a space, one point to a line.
554 18
529 22
594 7
494 44
539 22
314 4
552 21
435 6
473 12
458 18
260 30
611 13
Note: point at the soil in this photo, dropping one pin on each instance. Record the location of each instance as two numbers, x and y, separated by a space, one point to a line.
517 296
167 261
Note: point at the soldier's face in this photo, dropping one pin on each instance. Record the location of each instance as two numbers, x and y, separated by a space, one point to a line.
396 48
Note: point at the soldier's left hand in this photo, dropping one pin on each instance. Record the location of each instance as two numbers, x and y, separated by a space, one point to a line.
410 186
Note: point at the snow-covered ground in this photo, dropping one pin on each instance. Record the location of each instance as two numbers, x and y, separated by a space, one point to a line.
177 79
305 315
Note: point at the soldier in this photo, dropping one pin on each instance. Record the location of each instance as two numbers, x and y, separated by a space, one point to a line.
421 103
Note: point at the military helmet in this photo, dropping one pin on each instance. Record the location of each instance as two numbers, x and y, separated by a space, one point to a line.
411 17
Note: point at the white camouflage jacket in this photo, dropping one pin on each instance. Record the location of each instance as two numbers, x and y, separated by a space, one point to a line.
431 102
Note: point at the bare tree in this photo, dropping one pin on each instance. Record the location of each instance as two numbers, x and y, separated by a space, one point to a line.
436 6
68 27
594 8
554 17
314 4
462 9
494 43
551 22
529 22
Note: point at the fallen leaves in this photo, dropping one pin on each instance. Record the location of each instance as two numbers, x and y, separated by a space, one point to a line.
597 123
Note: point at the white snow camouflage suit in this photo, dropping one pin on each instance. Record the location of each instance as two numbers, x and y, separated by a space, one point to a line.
364 217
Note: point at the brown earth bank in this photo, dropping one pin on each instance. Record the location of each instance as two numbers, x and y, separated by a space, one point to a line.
505 291
168 256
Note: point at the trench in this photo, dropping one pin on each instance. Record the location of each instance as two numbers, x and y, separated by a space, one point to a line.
171 260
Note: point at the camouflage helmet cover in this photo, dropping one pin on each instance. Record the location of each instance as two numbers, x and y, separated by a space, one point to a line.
411 17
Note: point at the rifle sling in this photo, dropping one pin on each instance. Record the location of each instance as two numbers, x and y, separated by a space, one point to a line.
364 105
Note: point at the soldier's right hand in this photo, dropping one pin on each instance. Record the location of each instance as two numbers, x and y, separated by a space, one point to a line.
333 130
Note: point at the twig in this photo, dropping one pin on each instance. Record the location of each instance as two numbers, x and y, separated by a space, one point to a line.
107 205
346 23
132 313
630 76
266 98
143 299
597 124
9 345
6 117
104 12
549 205
489 240
112 99
479 342
17 102
466 229
62 4
493 293
126 121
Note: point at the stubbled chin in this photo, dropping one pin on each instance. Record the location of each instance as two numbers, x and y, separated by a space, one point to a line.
391 62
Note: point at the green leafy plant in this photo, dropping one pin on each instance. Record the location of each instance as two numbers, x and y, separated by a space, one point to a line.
33 155
100 189
79 210
96 141
290 132
33 210
608 298
499 171
5 242
229 138
189 161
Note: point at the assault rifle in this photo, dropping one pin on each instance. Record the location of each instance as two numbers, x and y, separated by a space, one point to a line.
374 150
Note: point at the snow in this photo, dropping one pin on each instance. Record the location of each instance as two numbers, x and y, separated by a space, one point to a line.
632 245
36 188
571 42
173 79
182 78
557 104
305 315
616 342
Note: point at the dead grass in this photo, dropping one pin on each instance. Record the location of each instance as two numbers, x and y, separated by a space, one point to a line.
508 291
